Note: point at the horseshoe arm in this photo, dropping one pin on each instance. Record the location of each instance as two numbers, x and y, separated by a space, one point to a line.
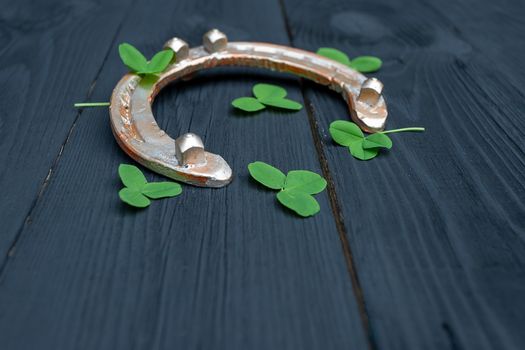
185 159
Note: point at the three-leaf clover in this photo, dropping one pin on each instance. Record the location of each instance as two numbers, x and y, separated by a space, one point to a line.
362 147
363 64
295 189
138 191
266 95
136 61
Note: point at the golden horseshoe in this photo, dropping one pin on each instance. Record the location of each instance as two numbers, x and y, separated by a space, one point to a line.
184 159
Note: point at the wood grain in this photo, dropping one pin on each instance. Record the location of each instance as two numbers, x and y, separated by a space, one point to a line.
50 55
421 248
210 269
436 225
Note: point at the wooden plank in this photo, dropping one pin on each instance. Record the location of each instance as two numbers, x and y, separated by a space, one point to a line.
436 224
211 269
50 54
498 40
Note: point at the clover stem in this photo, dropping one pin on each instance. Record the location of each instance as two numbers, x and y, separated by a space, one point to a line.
92 104
402 129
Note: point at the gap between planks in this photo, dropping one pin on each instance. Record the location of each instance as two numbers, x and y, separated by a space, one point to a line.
334 201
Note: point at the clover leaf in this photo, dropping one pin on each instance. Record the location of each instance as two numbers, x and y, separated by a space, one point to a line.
159 62
334 54
377 140
295 188
138 190
267 175
361 153
363 64
304 181
362 147
133 197
262 91
156 190
132 57
266 95
301 203
349 134
283 103
136 61
248 104
131 176
345 133
366 64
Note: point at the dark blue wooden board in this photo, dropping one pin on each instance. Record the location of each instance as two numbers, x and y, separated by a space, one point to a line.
436 225
211 269
51 52
419 248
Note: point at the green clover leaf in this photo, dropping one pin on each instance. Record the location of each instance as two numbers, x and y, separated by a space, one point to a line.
136 61
266 95
267 175
131 176
248 104
138 189
132 57
345 133
263 91
133 197
283 103
295 188
377 140
349 134
363 64
366 64
156 190
361 153
304 181
301 203
158 63
334 54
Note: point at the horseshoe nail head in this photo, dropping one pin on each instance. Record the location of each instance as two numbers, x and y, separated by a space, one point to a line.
179 47
214 41
185 158
189 150
370 91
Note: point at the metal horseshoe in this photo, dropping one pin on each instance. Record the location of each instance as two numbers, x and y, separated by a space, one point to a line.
184 159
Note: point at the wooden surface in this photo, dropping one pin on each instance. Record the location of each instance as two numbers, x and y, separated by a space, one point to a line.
420 248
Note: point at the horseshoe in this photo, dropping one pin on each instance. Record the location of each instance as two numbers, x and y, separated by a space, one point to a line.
184 159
